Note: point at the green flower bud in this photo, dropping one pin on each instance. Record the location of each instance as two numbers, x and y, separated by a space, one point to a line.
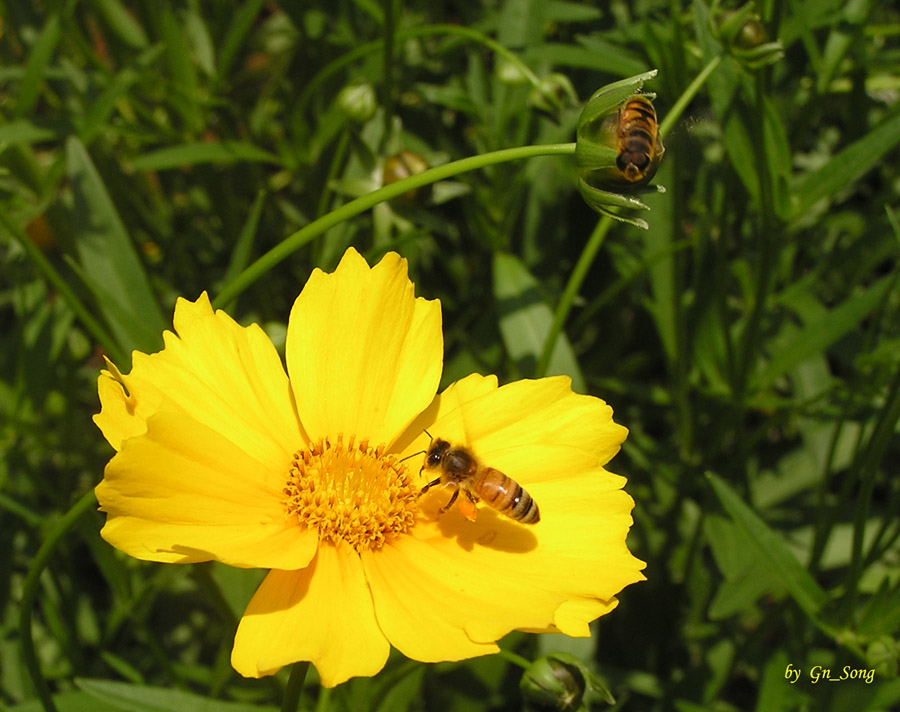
882 656
618 147
403 165
744 37
558 683
553 685
358 102
552 95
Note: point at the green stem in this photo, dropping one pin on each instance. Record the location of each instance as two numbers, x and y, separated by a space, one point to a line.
324 701
29 591
515 658
576 279
93 327
294 242
687 96
294 689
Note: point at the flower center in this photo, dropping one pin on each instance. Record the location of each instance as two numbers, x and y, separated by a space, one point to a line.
351 492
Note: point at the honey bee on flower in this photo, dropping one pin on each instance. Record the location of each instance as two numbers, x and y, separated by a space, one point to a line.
223 456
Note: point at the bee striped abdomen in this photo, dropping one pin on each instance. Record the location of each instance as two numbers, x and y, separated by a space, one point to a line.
507 496
639 144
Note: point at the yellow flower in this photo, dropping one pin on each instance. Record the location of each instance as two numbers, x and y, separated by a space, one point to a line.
221 456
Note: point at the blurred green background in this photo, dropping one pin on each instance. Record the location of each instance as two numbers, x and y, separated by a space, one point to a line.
749 339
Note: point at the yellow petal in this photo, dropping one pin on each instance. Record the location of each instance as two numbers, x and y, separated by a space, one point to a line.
183 493
323 613
224 376
423 608
533 430
364 354
473 582
500 575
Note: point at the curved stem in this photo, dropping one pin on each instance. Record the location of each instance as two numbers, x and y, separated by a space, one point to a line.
29 591
514 658
576 279
294 689
294 242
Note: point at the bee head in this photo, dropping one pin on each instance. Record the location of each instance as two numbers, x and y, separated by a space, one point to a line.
436 453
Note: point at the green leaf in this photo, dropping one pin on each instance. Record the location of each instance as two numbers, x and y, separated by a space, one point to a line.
526 319
139 698
243 17
191 154
121 23
816 336
24 131
848 165
785 568
108 259
38 61
94 120
181 65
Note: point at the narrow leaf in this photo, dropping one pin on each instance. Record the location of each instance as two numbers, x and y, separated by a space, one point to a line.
785 568
108 259
526 319
190 154
818 335
38 61
142 698
848 165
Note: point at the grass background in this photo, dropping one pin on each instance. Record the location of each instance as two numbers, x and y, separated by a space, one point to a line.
749 338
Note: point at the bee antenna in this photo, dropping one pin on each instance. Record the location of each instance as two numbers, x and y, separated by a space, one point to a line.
421 452
430 436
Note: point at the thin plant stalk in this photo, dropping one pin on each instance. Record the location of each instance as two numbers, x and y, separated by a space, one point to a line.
294 242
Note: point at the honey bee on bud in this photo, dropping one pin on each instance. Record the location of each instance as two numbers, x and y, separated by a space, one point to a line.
638 143
460 470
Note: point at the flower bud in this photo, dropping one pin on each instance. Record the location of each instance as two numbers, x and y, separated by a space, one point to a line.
744 37
618 147
552 95
558 682
882 656
403 165
550 684
358 102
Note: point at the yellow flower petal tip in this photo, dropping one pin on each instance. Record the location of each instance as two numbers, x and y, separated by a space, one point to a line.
315 469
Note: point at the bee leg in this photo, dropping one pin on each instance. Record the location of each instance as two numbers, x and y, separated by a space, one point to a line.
430 485
449 504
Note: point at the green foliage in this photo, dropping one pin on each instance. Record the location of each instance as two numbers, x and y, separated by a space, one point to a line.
748 338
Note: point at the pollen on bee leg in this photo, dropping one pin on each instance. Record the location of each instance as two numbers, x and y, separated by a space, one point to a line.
352 492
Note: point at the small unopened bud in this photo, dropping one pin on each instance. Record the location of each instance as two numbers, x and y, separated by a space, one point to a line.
882 657
552 95
403 165
553 685
558 683
744 37
358 102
